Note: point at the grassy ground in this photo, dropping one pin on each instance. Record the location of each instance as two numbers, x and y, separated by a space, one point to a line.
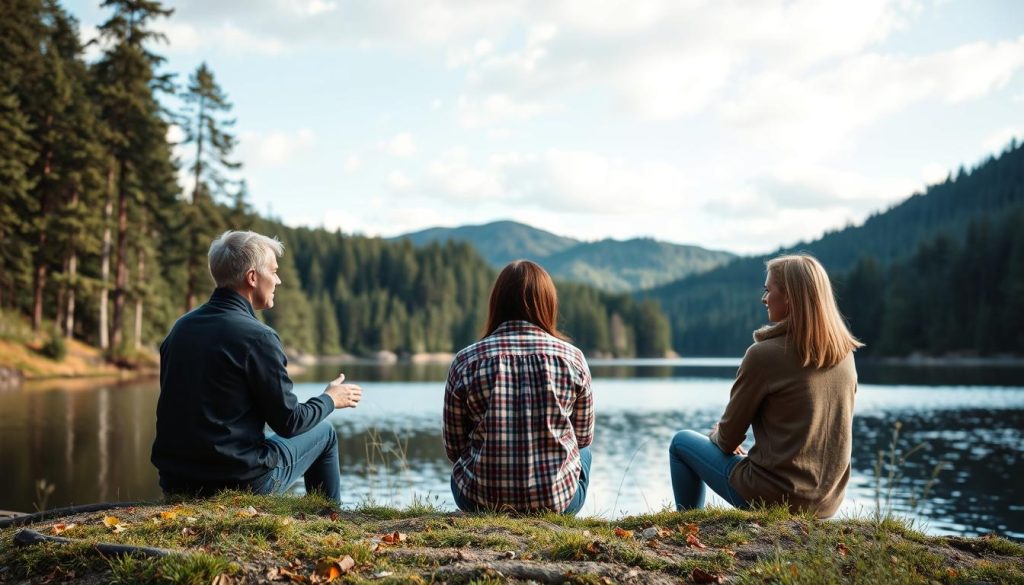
237 538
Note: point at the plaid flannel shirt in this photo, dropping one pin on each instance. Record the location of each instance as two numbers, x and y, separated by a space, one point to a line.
517 409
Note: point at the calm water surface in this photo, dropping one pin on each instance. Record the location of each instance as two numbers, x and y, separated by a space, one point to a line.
92 443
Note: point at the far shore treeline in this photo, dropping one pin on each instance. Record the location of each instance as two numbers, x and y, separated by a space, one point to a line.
100 241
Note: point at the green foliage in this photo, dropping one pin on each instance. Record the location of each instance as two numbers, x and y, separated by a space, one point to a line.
55 348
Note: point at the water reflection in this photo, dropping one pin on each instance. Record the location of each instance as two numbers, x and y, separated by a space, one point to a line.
93 444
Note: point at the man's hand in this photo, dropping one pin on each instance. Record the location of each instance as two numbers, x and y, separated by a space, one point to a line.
344 395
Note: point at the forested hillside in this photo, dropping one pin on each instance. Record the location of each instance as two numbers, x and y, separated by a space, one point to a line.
99 241
936 273
611 265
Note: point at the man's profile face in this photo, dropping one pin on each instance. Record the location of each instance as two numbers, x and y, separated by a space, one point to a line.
266 282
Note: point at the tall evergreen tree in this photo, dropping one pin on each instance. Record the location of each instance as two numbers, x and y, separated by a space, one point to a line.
206 129
125 82
19 35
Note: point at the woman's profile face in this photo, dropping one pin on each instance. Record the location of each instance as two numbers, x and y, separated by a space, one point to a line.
775 299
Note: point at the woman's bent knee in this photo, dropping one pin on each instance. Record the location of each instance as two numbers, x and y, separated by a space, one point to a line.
684 439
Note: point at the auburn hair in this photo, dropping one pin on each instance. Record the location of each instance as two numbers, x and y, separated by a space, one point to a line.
524 291
814 327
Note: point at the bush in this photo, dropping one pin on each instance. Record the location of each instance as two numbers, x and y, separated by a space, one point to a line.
56 348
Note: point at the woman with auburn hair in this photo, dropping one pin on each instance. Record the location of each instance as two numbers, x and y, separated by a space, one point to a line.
518 409
795 386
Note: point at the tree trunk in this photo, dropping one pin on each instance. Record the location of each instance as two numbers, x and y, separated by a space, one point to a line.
108 210
69 314
71 275
39 279
138 299
120 267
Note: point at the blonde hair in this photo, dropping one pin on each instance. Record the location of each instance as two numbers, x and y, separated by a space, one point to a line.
234 254
814 327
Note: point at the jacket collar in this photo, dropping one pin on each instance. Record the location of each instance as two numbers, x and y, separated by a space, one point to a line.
226 298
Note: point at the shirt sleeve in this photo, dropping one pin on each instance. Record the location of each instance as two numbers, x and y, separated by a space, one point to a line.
583 409
748 391
456 423
266 369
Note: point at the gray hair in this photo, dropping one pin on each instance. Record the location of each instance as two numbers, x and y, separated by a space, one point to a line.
234 254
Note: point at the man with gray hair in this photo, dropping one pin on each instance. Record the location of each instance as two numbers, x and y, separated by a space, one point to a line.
223 377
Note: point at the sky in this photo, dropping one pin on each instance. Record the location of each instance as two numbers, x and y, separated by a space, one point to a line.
739 125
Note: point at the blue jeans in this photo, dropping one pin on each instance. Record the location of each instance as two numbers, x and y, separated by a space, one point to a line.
313 455
695 461
467 505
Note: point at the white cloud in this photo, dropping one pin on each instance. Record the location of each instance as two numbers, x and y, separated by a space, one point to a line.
189 38
998 141
934 173
353 163
398 181
270 149
402 145
813 116
495 109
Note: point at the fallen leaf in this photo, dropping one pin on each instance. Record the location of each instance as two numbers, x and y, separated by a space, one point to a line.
729 552
393 538
334 516
622 533
953 573
701 576
188 531
509 554
690 528
283 574
841 549
247 512
692 540
168 515
663 532
327 570
222 579
586 534
593 547
62 528
110 521
119 528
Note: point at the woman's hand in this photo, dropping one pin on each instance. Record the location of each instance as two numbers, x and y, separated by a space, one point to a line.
737 451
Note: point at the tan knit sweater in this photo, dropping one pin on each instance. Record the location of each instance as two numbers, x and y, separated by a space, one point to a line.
803 428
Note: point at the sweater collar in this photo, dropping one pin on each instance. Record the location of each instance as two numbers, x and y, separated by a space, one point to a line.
226 298
774 330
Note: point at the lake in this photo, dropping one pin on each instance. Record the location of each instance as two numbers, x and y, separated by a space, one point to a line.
92 443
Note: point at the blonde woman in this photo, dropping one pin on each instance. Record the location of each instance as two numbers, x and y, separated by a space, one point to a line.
796 388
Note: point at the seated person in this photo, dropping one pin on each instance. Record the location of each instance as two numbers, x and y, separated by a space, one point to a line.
518 408
223 377
796 387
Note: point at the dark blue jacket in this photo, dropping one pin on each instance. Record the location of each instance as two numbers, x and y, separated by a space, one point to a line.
222 377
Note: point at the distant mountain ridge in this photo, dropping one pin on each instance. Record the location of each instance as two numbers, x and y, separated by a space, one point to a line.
611 265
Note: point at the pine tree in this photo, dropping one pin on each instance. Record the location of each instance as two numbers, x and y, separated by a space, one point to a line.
19 32
124 87
206 106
